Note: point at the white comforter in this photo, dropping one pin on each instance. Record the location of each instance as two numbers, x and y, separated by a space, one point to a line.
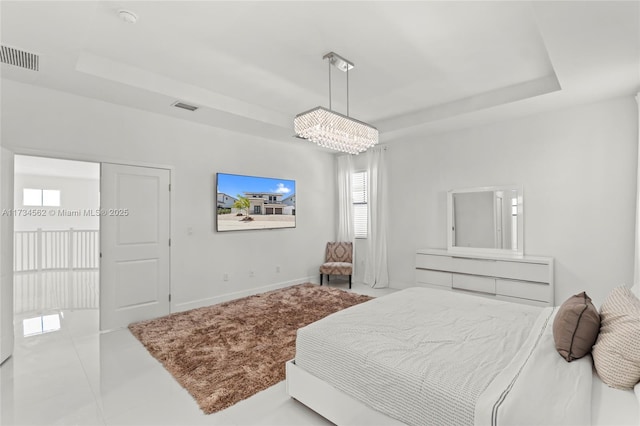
431 357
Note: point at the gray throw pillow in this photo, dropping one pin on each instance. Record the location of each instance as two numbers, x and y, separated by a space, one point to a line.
576 327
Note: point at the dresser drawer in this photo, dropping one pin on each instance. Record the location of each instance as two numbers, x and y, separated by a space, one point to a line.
524 290
520 300
424 276
467 265
428 261
474 283
523 271
435 287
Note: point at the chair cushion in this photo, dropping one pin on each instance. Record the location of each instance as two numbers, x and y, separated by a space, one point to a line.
336 268
339 252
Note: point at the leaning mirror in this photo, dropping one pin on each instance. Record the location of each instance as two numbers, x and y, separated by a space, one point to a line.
486 220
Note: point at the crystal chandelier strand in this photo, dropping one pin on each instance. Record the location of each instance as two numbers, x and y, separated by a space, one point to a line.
335 131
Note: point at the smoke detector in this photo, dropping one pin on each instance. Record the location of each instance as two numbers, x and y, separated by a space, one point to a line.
128 16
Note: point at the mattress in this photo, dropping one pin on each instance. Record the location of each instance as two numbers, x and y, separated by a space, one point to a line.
421 356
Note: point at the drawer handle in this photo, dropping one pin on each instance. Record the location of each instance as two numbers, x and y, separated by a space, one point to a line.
472 291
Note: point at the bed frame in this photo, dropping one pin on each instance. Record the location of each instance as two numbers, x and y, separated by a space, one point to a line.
331 403
608 406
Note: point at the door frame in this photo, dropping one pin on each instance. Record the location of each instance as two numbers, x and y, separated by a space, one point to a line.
106 159
7 336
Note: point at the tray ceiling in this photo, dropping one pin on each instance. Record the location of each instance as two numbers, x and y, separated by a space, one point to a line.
421 66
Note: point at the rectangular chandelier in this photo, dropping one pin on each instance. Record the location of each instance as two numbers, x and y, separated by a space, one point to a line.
335 131
331 129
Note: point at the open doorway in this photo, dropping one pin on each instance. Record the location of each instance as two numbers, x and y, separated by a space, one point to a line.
56 244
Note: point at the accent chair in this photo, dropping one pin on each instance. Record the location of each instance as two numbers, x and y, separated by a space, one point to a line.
338 260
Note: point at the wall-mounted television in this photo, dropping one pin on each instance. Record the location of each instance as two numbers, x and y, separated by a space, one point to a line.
252 202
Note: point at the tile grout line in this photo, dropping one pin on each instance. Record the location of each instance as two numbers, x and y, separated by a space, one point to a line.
86 376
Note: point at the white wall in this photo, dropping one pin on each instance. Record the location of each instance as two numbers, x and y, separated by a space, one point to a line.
80 128
76 196
578 169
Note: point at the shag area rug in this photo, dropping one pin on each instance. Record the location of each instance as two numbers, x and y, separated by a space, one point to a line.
225 353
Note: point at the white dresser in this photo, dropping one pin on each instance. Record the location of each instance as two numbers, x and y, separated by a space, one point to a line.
526 279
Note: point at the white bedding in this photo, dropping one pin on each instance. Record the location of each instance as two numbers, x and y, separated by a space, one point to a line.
425 356
539 387
611 406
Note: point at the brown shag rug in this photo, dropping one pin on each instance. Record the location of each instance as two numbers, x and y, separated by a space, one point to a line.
225 353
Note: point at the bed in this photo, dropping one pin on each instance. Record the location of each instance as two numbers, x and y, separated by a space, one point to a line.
423 356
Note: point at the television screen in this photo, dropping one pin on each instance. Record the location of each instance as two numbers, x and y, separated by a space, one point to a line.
251 202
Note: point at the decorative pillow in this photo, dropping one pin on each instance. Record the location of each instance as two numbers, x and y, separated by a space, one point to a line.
616 354
576 327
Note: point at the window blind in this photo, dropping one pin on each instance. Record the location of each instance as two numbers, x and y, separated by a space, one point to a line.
360 199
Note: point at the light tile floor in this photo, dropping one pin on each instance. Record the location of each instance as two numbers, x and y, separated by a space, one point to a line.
78 376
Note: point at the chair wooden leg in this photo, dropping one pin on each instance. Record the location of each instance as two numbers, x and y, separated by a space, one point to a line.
320 279
349 281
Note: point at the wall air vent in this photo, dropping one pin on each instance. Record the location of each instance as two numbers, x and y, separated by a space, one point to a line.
182 105
19 58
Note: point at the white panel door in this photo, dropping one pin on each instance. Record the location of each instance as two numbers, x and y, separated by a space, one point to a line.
134 244
6 254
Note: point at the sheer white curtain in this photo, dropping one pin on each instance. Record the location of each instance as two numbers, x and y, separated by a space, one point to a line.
344 170
636 270
376 273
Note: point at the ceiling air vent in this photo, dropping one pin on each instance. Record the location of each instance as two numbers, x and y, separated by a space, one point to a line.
19 58
184 106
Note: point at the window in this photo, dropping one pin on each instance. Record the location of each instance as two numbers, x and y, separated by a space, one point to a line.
360 198
50 197
41 197
32 197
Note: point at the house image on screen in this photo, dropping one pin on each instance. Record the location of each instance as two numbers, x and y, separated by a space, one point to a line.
267 203
225 201
290 204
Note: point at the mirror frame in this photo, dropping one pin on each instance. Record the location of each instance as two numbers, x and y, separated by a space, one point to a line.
515 252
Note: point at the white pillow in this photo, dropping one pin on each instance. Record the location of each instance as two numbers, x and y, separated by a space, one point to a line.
636 290
616 354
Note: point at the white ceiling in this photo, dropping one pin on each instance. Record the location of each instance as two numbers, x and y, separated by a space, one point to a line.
421 66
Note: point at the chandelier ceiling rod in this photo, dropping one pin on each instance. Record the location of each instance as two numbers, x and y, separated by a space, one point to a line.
347 92
329 64
343 65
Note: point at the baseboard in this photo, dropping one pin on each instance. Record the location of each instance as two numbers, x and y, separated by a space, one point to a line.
194 304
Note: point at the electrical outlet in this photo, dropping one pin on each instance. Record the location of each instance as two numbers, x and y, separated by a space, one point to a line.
277 268
225 277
